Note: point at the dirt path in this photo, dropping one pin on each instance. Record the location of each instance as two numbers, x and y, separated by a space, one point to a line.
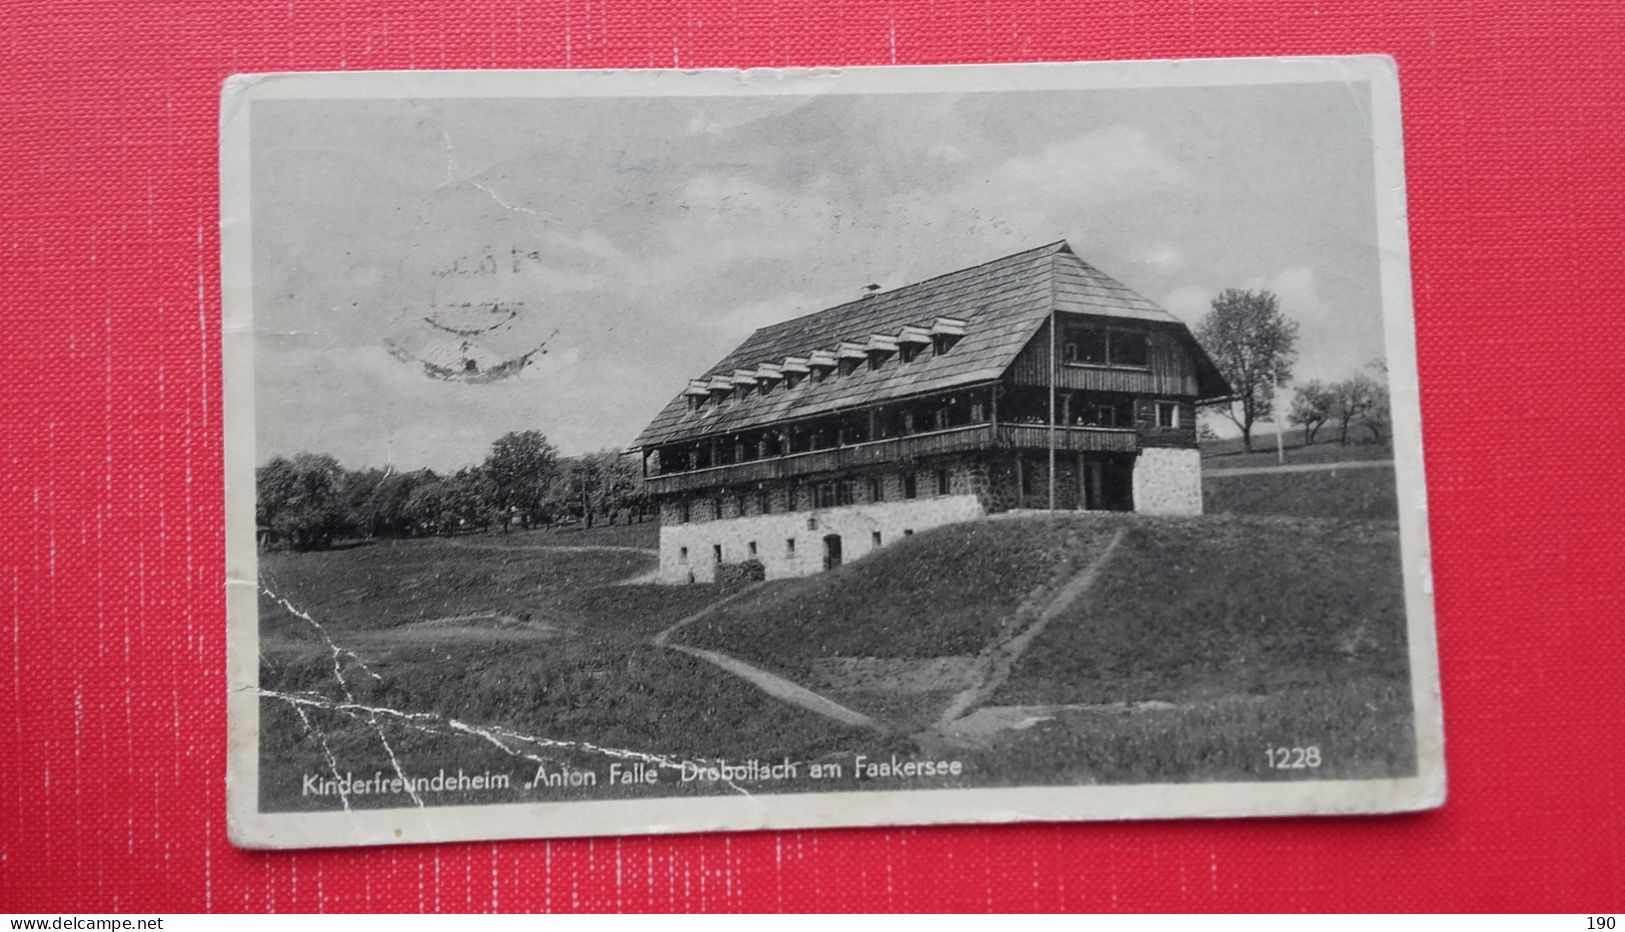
994 664
780 688
771 683
1298 467
660 639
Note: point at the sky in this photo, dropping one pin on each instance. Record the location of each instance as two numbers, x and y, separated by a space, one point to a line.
632 242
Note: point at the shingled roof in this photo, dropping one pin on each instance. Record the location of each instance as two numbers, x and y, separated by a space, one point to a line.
1003 304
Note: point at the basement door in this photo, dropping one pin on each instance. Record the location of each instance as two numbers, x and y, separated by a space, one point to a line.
832 551
1108 482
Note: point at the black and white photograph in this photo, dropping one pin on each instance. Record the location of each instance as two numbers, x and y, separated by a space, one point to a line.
630 452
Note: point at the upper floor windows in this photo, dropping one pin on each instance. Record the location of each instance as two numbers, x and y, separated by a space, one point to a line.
1099 346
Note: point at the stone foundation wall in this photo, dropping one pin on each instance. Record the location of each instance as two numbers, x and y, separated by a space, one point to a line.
689 552
1168 482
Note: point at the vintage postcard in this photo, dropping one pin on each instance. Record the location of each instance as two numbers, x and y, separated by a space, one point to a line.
659 451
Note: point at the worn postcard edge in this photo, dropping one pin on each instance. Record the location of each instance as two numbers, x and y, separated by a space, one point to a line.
249 827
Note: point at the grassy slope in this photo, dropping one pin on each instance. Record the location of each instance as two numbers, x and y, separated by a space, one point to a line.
1255 631
1361 494
1203 606
938 593
600 683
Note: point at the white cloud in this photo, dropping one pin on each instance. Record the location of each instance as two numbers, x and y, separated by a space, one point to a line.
1189 303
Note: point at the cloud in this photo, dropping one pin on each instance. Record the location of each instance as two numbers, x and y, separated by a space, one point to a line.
1112 164
1189 303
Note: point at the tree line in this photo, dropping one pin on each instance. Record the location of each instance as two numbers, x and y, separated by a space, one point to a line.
309 500
1255 345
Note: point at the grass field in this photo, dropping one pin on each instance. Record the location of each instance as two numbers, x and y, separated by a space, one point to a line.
1229 453
1363 494
1200 642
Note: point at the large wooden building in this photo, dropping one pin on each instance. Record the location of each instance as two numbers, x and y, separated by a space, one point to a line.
822 438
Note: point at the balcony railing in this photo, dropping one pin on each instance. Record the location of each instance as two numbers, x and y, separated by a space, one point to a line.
895 450
890 450
1084 439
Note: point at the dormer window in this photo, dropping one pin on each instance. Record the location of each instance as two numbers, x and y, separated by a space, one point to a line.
720 389
822 363
698 393
910 340
878 348
794 369
945 332
850 356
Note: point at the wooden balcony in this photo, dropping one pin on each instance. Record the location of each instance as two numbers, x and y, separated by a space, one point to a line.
896 450
835 459
1083 439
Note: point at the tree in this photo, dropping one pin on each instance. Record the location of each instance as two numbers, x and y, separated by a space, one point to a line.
469 496
299 499
1352 399
1312 408
620 479
1378 414
375 500
521 466
428 507
1254 345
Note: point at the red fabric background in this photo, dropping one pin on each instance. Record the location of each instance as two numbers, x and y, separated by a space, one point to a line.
111 631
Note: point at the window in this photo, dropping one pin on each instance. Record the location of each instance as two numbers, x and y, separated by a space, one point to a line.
977 412
1092 347
907 351
1097 347
751 549
824 495
716 553
909 488
944 483
874 538
682 555
1129 348
843 492
1027 477
764 502
682 512
789 546
875 359
696 402
790 380
877 492
716 508
849 366
1103 415
1167 414
908 532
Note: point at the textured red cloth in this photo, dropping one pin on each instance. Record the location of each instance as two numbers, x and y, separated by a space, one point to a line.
112 768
